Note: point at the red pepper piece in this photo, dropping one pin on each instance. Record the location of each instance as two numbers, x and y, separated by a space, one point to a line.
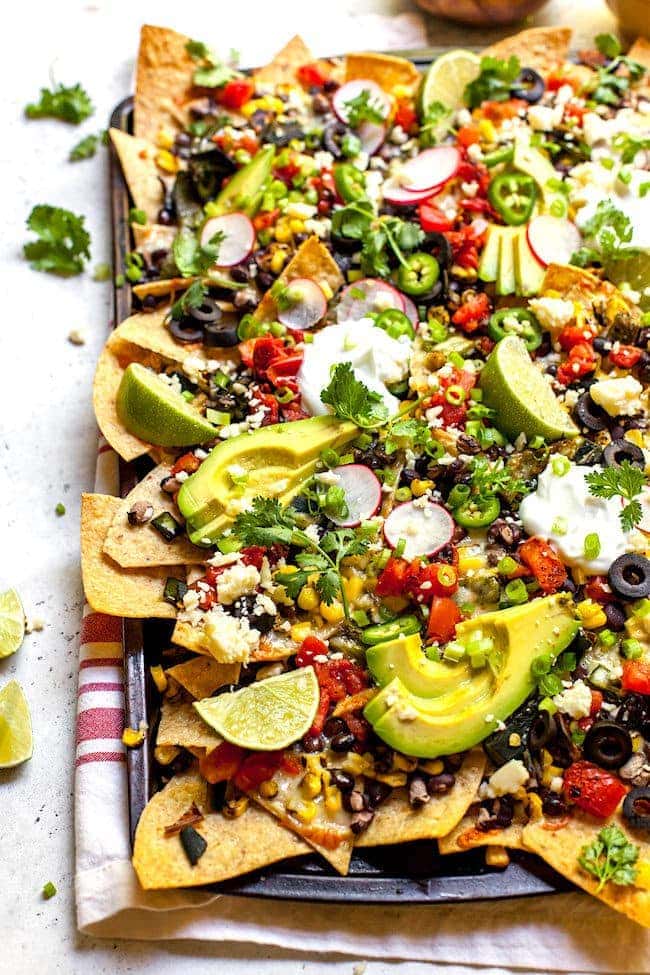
593 789
392 580
636 676
544 564
625 356
222 763
444 614
236 93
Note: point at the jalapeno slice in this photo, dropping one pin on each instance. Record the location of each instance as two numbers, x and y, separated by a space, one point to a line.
516 321
381 632
395 323
477 512
350 182
513 196
418 275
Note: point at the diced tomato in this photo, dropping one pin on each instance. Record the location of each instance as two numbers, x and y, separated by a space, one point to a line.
498 111
340 678
266 350
187 463
572 335
636 676
425 582
310 647
432 220
557 79
253 555
598 589
468 135
311 75
236 93
282 369
249 143
479 205
246 349
290 763
392 580
578 112
473 313
596 703
544 564
271 407
256 768
465 244
405 115
321 713
625 356
266 219
293 411
582 360
593 789
444 614
357 725
287 172
222 763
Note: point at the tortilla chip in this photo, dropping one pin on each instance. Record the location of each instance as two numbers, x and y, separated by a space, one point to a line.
466 836
386 70
578 284
273 645
201 676
138 161
640 51
148 331
134 593
282 69
311 260
181 725
135 546
108 376
397 822
235 846
163 286
152 237
560 843
542 48
163 80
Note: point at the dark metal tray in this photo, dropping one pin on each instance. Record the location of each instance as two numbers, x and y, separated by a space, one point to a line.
406 873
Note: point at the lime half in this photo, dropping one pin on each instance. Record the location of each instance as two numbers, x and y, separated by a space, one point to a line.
522 399
267 715
15 726
12 622
635 271
446 79
155 412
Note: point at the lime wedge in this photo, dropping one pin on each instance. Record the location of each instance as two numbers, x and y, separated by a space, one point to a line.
155 412
520 395
12 622
446 79
634 271
15 726
267 715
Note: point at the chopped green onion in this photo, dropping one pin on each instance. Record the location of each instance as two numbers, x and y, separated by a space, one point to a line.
516 592
228 544
625 177
592 546
507 565
454 651
546 704
631 649
560 526
458 495
541 665
330 457
137 216
360 617
49 890
60 509
560 465
456 359
399 548
607 638
550 685
403 494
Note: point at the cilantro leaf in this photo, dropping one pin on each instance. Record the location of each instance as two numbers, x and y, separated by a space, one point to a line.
608 233
494 81
364 109
266 523
69 104
409 432
435 124
625 481
192 298
190 256
608 45
211 72
293 581
64 243
385 240
85 149
351 400
610 857
352 221
328 585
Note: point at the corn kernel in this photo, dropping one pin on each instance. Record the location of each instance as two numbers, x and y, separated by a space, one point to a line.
283 233
311 785
235 807
297 226
278 261
159 678
132 737
353 587
308 599
433 766
487 130
306 812
333 802
403 763
167 161
469 562
534 803
164 139
402 91
299 631
396 780
313 765
635 437
332 613
591 614
497 856
288 569
642 879
420 487
268 789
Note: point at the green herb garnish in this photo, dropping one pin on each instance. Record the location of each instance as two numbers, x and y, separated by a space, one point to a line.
60 509
64 243
69 104
624 481
85 149
137 216
608 234
608 45
191 257
364 109
435 124
49 890
494 81
211 71
611 857
192 298
352 400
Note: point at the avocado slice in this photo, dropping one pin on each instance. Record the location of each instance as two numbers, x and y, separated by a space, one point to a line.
506 269
532 161
468 712
528 272
275 460
244 191
489 265
404 658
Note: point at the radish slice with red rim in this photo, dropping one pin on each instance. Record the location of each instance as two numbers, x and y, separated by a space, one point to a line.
301 304
367 295
410 311
349 92
394 192
553 240
362 493
371 136
433 167
425 528
237 241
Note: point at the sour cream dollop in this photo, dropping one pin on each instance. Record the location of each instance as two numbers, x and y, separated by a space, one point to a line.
593 184
377 360
563 511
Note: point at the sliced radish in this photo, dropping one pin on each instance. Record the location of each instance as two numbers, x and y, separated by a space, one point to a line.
367 295
410 311
553 240
362 493
371 136
352 89
238 237
433 167
301 304
425 528
394 192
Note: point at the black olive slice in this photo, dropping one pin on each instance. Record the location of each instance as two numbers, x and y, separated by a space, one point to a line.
207 312
332 136
607 744
636 808
529 86
185 331
629 576
543 730
589 414
619 450
222 334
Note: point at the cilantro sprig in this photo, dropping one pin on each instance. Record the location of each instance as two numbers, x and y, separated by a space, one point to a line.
68 104
63 246
352 400
610 857
494 81
211 72
364 109
435 125
192 298
85 149
625 481
190 256
608 234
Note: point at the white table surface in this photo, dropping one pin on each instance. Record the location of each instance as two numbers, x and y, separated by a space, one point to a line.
47 430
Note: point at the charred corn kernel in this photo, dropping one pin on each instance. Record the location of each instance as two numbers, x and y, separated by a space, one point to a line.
327 291
396 780
534 805
637 742
165 754
433 766
353 587
420 487
299 631
497 856
332 613
235 808
308 599
487 130
167 161
591 614
165 139
268 789
551 772
297 226
132 737
402 763
468 561
311 785
333 801
642 879
283 233
159 678
306 812
356 764
278 261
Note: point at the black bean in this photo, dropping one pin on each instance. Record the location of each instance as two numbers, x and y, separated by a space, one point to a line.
504 532
554 805
361 821
320 104
140 513
265 280
312 743
342 780
354 801
343 742
239 273
467 444
418 794
334 726
376 792
439 784
615 616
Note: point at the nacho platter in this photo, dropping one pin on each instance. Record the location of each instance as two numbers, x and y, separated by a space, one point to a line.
374 874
